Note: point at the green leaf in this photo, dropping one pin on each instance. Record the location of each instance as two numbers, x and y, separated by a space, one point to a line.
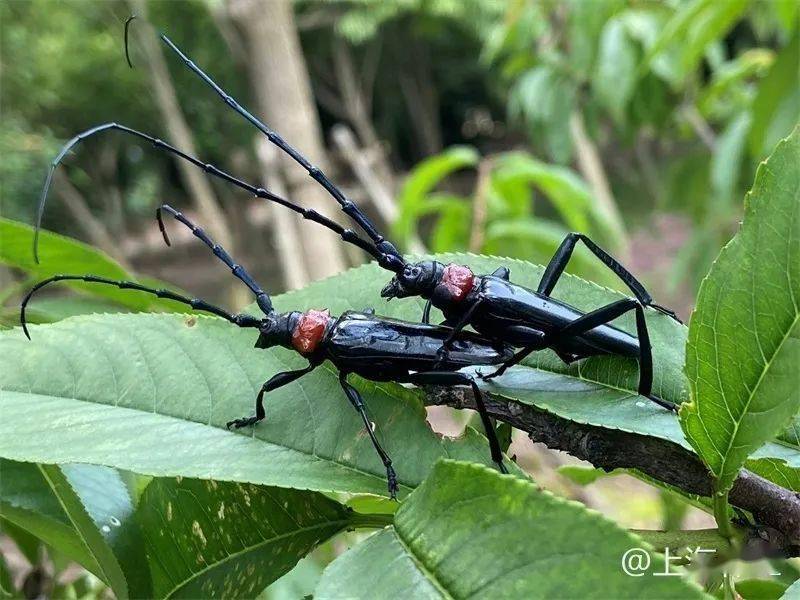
744 337
7 589
210 539
27 543
41 499
152 393
779 84
469 532
297 583
684 38
727 160
614 75
792 592
60 254
584 475
422 180
760 589
108 503
562 187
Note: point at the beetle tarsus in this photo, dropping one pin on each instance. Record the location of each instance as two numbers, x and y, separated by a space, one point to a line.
243 422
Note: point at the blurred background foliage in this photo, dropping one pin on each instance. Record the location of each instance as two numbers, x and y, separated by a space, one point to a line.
489 126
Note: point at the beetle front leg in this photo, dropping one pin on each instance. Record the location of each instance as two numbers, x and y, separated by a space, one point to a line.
274 383
358 404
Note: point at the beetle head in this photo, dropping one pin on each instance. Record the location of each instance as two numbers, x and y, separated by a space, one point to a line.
276 330
416 279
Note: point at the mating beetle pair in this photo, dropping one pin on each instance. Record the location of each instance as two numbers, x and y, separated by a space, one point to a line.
507 316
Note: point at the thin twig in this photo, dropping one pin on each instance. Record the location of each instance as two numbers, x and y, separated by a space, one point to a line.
479 201
591 167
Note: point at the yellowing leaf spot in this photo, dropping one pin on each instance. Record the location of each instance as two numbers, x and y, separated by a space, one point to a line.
221 511
198 531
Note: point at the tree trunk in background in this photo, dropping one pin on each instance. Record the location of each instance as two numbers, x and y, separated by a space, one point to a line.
287 236
283 92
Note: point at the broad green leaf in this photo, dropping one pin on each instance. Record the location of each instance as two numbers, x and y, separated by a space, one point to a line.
614 75
791 435
586 26
50 310
209 539
744 338
782 80
152 393
42 500
545 99
59 254
467 532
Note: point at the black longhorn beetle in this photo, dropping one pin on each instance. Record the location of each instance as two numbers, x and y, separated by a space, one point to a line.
495 307
374 347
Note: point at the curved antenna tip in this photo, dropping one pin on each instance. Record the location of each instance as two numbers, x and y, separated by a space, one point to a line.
127 54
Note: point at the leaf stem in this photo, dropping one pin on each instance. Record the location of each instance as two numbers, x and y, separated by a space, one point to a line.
720 501
370 521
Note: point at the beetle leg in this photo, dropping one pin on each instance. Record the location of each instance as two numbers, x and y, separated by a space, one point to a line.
463 322
274 383
606 314
426 313
457 378
514 360
558 263
358 404
501 273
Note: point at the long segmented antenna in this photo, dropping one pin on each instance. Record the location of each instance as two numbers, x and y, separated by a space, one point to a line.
127 24
240 320
316 173
346 234
262 298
